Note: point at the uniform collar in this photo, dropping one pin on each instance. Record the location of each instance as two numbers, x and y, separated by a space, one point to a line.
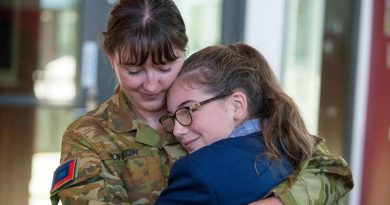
149 136
121 117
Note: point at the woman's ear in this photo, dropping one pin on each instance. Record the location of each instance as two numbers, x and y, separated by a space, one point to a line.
240 105
111 58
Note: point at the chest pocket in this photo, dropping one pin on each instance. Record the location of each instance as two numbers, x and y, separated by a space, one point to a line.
142 175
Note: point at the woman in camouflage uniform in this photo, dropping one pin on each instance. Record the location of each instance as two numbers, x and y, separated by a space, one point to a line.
119 153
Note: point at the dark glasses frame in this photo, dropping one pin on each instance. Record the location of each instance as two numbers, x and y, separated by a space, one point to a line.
189 110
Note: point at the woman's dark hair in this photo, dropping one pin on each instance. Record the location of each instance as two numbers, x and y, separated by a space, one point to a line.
223 69
138 29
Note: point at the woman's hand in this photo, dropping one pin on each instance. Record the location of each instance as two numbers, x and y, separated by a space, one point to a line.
273 200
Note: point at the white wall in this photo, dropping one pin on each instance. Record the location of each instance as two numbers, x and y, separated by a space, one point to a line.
264 29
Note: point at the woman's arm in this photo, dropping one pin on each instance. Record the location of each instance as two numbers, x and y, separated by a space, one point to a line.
322 179
91 180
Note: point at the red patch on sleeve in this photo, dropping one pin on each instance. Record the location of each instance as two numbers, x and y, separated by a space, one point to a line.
63 174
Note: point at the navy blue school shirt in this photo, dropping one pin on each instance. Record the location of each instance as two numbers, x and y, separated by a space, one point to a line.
230 171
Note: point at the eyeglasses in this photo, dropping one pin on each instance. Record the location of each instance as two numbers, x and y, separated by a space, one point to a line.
184 115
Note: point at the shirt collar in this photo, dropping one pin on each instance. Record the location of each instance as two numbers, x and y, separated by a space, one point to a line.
149 136
121 117
246 128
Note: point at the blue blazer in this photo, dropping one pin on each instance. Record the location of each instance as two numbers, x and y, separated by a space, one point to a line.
230 171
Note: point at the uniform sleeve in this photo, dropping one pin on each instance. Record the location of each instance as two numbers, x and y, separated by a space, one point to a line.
187 184
322 179
93 182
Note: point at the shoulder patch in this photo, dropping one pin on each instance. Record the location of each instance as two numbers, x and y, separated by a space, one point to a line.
63 174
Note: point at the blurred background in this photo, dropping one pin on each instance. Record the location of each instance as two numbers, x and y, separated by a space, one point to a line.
331 56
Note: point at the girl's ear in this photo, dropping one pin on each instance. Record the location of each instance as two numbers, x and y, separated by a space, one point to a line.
240 105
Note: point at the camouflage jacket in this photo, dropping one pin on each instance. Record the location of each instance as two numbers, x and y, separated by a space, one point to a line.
322 179
110 157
